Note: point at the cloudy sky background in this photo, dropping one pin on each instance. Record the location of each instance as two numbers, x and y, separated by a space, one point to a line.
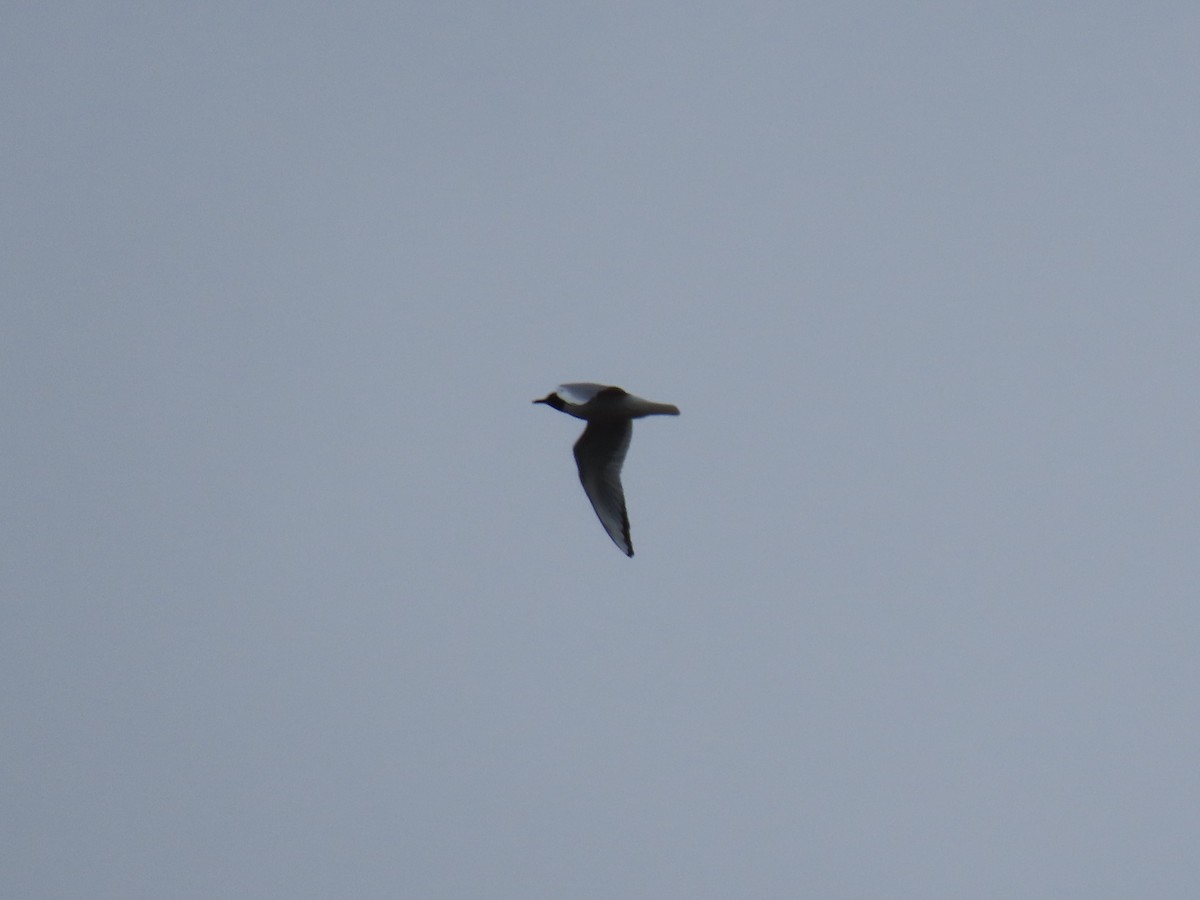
301 597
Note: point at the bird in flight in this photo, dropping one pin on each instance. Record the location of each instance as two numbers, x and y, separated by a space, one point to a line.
600 450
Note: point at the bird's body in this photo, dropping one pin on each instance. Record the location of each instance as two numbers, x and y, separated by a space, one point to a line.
600 450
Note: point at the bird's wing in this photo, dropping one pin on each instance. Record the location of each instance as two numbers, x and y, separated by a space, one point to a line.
581 392
599 454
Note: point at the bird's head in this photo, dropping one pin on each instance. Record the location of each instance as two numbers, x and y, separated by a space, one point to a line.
553 400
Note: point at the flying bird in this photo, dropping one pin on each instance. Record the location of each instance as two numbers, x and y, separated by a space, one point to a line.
600 450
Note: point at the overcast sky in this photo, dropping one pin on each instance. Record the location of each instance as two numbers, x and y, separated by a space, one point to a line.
302 598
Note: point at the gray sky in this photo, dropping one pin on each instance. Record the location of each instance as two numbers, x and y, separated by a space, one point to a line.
301 596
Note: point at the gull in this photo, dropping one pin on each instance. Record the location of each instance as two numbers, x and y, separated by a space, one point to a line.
600 450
